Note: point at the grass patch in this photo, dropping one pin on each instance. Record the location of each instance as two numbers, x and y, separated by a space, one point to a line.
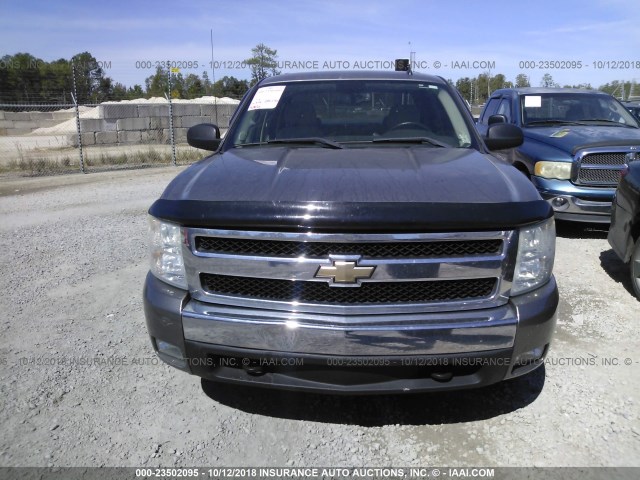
137 158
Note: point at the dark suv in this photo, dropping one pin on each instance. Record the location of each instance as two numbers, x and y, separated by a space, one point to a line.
576 143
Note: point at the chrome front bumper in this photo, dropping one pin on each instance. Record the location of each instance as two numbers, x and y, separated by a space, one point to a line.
577 203
302 333
416 346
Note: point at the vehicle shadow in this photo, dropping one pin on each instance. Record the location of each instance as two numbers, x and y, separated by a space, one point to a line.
376 411
566 229
616 269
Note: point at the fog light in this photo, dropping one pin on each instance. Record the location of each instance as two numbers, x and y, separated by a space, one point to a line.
530 357
560 203
171 354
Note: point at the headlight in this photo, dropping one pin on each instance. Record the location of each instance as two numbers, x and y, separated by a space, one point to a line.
166 252
536 251
559 170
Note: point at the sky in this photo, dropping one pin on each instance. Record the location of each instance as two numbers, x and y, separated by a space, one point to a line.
574 41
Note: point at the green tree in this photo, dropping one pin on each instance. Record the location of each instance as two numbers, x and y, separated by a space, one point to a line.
135 92
206 83
547 81
482 90
90 85
230 87
157 85
263 63
617 89
497 81
522 81
464 86
194 87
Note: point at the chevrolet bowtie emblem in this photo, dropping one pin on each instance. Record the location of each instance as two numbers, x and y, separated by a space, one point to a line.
344 272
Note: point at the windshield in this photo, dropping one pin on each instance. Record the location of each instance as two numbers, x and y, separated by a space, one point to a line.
573 108
351 113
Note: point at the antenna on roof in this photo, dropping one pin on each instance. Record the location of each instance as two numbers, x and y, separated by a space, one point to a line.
403 65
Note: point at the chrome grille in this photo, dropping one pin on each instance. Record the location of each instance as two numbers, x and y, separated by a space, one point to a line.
271 248
601 166
368 293
411 272
609 158
598 176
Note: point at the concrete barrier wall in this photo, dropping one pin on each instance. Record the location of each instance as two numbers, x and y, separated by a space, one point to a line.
119 123
21 123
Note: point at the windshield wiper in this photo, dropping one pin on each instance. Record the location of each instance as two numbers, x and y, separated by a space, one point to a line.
421 140
307 140
604 120
553 122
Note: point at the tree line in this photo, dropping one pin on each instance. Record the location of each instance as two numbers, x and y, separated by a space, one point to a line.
27 79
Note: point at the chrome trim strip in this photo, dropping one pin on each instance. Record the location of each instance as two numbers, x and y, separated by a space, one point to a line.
499 266
419 334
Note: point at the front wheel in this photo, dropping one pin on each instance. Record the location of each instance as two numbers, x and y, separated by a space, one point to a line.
635 268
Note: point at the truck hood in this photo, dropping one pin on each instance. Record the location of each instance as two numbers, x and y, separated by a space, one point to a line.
406 188
571 138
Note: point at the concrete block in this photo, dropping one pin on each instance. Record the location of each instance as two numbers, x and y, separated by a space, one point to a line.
132 124
223 110
109 125
180 135
125 136
62 116
152 136
186 122
22 116
1 114
158 122
91 125
6 124
19 131
153 110
88 138
3 132
118 111
47 123
41 116
106 137
186 109
28 125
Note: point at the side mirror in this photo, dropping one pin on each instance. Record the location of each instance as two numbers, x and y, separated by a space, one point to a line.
205 136
503 135
493 119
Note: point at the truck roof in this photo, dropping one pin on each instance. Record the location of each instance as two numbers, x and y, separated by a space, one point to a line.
351 75
538 90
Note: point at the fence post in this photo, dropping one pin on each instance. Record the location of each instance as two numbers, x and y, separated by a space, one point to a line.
173 143
74 96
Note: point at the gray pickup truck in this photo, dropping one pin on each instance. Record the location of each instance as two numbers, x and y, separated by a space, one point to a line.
352 233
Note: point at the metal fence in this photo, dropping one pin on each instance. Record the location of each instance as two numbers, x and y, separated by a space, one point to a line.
38 139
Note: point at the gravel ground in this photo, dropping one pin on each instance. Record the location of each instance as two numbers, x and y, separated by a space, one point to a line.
73 264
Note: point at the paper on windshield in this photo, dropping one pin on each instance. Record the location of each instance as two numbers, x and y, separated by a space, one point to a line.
534 101
267 98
